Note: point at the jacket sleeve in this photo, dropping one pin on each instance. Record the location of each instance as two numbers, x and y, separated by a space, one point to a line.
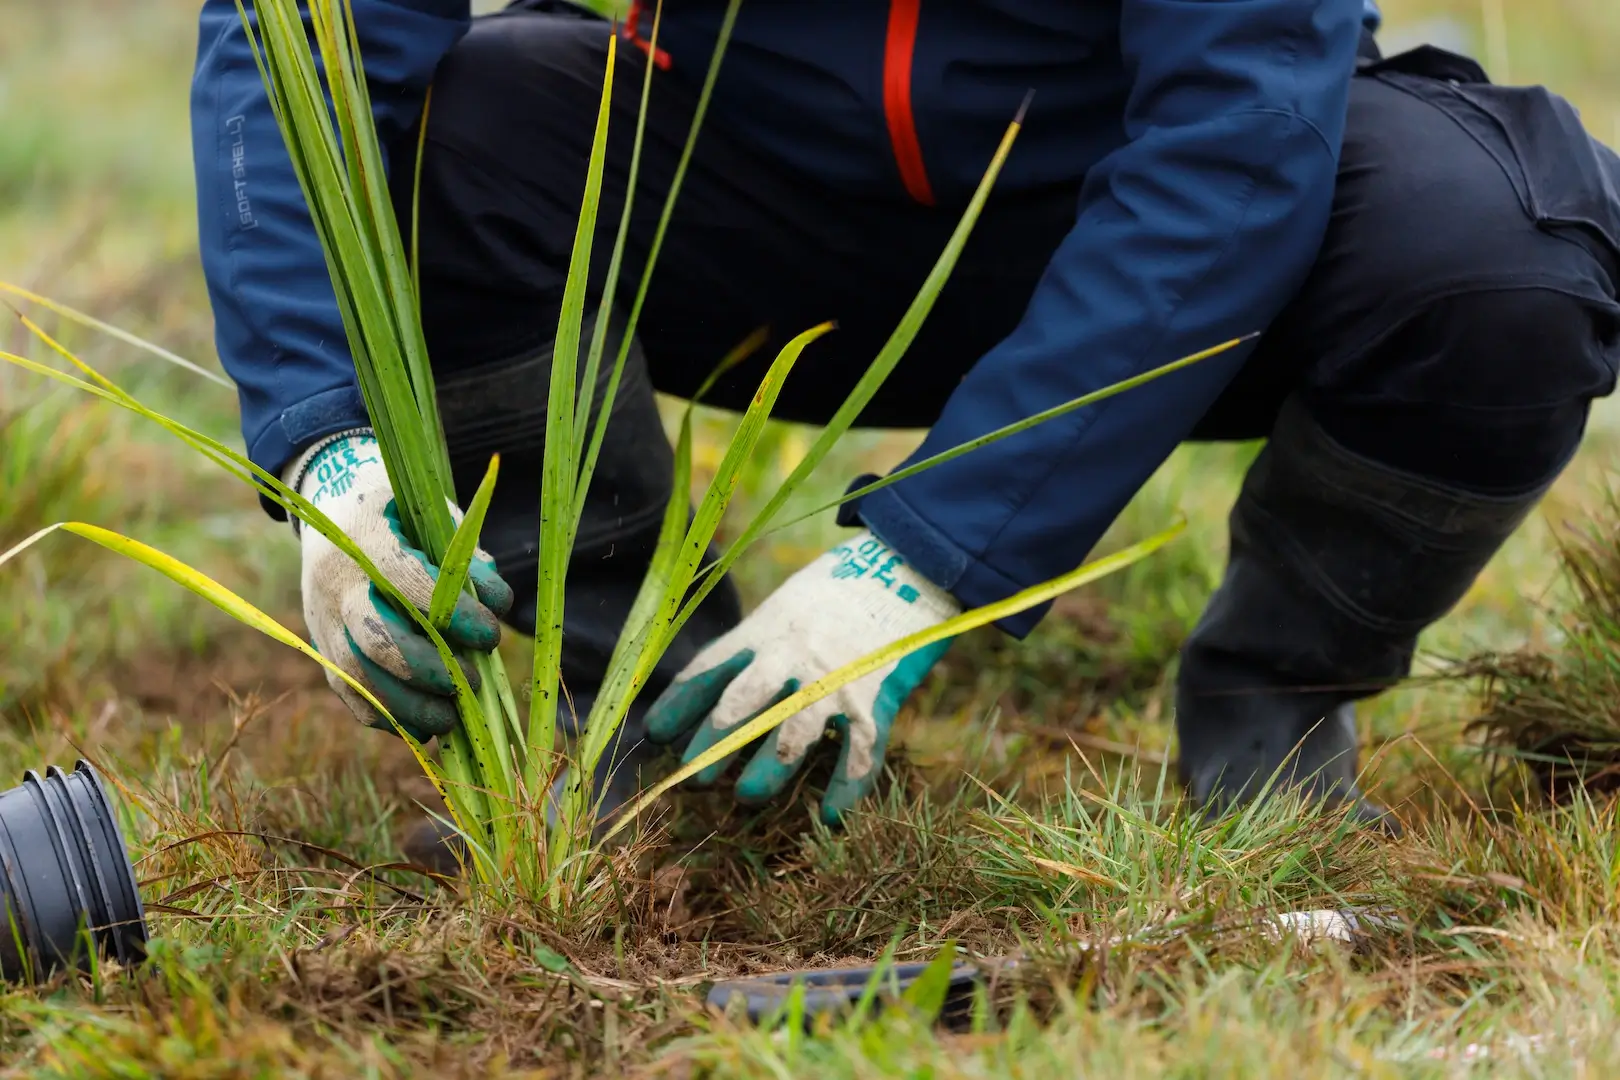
1198 229
277 326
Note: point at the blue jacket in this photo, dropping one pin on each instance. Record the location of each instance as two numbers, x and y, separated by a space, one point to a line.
1207 133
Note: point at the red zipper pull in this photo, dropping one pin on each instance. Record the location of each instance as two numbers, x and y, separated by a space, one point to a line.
632 34
897 56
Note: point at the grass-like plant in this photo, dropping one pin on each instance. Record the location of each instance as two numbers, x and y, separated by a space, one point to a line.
496 768
1557 710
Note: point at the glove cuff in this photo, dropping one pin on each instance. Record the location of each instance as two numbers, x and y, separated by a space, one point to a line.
293 474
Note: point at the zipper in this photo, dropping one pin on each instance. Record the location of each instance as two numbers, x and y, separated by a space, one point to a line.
897 54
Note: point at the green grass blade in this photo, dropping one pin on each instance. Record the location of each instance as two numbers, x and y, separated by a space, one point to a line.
760 725
202 585
271 486
458 556
559 474
292 83
337 65
74 315
416 196
237 465
613 697
883 968
322 106
1015 428
245 470
358 272
722 42
928 993
604 313
238 608
378 210
637 638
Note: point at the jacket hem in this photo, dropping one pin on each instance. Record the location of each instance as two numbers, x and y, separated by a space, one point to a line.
326 413
941 560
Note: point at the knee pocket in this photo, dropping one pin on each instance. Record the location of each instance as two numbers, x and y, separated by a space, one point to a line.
1511 349
1487 391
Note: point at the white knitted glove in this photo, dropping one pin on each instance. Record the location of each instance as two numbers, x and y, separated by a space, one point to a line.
351 623
853 600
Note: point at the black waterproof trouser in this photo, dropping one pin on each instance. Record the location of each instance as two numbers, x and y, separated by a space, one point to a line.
1459 320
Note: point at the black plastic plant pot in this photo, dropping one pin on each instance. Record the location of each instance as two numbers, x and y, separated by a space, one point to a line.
67 892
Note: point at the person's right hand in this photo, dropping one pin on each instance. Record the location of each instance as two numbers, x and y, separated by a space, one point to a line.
352 624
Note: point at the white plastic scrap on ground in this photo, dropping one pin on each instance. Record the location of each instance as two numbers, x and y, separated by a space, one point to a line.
1326 924
1349 926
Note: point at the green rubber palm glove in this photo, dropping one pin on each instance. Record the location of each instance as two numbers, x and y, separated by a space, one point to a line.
349 620
855 599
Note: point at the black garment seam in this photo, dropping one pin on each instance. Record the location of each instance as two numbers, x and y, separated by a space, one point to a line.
1457 287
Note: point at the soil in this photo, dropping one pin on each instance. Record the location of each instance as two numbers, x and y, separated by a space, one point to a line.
248 693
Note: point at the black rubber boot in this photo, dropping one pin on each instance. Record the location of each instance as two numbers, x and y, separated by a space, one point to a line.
501 407
1337 563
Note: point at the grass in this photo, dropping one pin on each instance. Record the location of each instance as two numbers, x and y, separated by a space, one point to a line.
1558 712
252 795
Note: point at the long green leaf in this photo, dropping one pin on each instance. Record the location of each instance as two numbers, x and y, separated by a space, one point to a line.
458 556
559 474
416 195
655 585
1013 429
760 725
605 310
356 266
928 993
480 748
293 86
711 509
201 584
222 597
272 487
613 697
636 638
238 608
241 467
603 726
74 315
391 250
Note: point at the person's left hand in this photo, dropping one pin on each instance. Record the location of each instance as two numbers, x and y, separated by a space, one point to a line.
855 599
